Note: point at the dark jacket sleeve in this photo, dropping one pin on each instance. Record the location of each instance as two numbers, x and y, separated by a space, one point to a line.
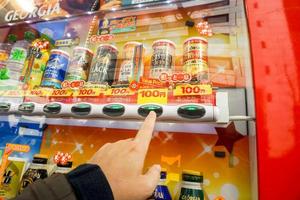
55 187
90 183
86 182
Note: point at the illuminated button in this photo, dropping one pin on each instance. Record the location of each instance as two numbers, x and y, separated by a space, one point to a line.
26 107
4 107
52 108
146 109
81 109
114 110
191 111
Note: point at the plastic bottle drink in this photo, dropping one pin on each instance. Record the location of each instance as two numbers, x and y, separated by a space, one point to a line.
17 60
18 56
191 186
38 169
63 169
161 191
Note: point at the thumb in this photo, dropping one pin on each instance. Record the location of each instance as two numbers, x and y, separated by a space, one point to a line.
151 178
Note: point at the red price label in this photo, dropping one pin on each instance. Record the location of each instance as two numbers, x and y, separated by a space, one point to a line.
73 84
175 78
101 38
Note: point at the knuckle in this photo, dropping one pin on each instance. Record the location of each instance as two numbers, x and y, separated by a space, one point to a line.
134 146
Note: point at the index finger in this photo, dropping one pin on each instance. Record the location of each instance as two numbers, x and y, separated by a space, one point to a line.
144 135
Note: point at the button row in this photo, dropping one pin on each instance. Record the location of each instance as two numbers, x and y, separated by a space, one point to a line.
186 112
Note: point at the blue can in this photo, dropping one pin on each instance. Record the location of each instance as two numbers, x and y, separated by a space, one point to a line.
56 69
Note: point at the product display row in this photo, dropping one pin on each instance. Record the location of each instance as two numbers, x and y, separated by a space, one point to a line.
35 64
42 167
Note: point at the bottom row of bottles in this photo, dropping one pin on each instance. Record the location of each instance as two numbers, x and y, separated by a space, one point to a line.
191 187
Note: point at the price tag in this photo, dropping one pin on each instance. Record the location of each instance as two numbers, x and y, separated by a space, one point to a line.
192 90
159 96
88 92
2 92
119 92
14 93
39 92
61 93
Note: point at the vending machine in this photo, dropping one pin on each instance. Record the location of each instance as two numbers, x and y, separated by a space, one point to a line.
76 75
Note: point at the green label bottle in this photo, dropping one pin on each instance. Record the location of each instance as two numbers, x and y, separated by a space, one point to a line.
191 186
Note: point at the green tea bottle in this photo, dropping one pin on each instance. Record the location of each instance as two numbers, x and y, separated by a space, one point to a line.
191 186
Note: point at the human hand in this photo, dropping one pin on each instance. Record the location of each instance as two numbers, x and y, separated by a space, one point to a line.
122 163
114 4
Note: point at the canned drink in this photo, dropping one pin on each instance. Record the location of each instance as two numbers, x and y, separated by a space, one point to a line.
195 59
104 65
80 64
56 69
132 66
163 57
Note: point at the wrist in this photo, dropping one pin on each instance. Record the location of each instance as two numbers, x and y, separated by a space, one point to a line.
89 182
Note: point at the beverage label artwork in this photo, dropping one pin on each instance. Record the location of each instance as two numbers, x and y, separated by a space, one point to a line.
56 69
18 55
80 64
191 194
104 65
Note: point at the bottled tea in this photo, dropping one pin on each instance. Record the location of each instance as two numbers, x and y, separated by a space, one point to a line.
191 186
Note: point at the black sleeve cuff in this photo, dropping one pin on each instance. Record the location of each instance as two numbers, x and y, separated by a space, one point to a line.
89 183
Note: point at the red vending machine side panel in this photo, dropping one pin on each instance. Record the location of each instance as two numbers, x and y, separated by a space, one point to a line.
275 40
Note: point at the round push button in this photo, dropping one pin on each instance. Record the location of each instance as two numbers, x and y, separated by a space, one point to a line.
52 108
114 110
4 107
191 111
26 107
81 109
146 109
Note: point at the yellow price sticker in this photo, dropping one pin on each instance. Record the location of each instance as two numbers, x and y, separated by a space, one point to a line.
159 96
2 92
119 92
88 92
14 93
38 92
61 93
192 90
